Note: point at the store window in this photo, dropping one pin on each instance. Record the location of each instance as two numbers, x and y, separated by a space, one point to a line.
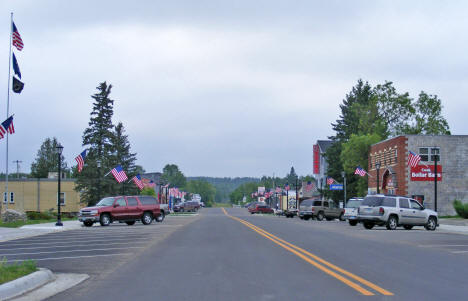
62 198
12 197
429 153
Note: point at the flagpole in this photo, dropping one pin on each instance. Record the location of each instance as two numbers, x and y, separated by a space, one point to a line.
7 112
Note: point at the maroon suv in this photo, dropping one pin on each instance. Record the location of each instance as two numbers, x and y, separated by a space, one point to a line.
128 209
259 208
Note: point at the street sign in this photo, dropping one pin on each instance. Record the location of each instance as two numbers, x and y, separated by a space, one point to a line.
336 187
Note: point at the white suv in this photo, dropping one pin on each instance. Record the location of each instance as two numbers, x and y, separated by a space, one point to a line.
393 211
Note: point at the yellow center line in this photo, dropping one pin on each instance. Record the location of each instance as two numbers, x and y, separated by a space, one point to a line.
301 253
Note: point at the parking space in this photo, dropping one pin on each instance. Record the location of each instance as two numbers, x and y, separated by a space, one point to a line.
93 250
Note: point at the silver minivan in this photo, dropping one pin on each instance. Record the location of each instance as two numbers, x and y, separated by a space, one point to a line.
393 211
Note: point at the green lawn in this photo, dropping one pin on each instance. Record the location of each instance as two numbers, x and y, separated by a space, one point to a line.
222 205
18 224
9 272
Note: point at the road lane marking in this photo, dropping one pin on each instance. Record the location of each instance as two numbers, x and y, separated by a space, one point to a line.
430 246
458 252
303 253
68 251
61 242
71 257
65 246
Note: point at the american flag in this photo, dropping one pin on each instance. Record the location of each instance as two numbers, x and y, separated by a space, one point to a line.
7 126
309 186
413 159
80 160
286 187
360 171
17 41
278 190
119 174
330 180
152 184
138 182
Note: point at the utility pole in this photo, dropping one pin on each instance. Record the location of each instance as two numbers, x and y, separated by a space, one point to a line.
17 167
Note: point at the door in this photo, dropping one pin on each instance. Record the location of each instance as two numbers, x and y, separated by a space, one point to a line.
133 210
417 215
119 210
405 212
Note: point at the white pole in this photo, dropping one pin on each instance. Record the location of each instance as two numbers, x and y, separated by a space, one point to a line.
8 109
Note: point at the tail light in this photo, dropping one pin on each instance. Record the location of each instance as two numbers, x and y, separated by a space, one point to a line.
381 211
313 209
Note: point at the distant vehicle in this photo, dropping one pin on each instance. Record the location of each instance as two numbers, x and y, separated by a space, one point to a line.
128 209
190 206
393 211
351 210
260 207
320 209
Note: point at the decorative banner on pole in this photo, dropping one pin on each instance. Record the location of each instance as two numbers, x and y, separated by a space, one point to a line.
316 159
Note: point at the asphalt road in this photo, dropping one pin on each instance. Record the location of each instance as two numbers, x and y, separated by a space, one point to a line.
238 256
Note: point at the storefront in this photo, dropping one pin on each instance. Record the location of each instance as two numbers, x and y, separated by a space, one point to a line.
395 176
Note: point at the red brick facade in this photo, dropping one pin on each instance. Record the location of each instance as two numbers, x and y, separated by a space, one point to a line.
393 170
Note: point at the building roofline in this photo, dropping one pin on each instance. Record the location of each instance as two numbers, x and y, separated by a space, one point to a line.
414 135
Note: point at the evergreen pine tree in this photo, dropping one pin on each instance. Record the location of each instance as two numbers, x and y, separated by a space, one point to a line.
98 139
121 155
47 159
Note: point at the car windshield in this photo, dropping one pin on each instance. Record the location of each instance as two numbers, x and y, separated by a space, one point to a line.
353 203
105 202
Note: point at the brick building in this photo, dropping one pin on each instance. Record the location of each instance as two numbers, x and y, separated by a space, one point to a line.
396 177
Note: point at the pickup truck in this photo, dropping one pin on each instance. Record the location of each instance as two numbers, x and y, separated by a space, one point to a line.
128 209
320 209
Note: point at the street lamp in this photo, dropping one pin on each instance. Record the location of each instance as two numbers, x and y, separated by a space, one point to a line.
343 174
377 167
59 148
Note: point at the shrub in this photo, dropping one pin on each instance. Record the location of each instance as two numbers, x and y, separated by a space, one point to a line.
33 215
460 208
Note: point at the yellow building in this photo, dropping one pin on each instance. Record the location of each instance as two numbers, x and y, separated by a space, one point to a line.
40 195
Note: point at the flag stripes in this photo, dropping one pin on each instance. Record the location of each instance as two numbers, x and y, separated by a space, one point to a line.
16 38
413 159
119 174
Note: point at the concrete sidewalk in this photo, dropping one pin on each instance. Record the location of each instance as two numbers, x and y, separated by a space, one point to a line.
36 229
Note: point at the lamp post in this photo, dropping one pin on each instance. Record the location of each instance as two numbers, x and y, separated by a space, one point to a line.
343 174
377 167
435 183
59 148
297 193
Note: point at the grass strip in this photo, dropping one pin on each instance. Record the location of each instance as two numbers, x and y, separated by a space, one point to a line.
18 224
9 272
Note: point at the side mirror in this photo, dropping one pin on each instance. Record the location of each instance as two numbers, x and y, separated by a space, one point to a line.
116 205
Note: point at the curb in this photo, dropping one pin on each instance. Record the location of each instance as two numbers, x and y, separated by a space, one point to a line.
24 284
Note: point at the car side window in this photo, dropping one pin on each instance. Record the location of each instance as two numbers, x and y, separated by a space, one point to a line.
415 205
132 202
333 205
389 202
325 204
403 203
121 202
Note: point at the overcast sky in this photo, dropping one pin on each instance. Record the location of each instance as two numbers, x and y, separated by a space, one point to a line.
223 88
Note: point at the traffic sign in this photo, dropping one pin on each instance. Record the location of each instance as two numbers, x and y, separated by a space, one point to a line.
336 187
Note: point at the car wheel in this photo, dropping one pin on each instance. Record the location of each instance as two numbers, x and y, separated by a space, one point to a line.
320 216
88 223
130 223
392 222
342 217
105 220
160 217
252 212
353 223
329 218
431 224
408 227
368 225
301 217
147 218
306 218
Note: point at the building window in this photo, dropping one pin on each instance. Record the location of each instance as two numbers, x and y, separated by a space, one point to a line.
62 198
12 197
429 153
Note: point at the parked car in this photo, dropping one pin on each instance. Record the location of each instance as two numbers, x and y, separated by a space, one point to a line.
260 208
320 209
128 209
351 210
190 206
393 211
